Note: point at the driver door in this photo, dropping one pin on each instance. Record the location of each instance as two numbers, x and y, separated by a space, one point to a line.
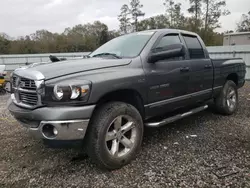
168 80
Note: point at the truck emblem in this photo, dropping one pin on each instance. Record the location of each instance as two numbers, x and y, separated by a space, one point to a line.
22 84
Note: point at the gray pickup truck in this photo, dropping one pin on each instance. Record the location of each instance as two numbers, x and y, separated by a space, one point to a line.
149 78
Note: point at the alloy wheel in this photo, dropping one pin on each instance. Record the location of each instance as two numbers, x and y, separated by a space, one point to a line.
121 136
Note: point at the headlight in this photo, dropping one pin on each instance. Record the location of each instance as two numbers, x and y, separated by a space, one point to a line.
71 92
75 92
58 92
79 91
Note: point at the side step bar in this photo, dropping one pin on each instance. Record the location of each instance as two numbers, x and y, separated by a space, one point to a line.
176 117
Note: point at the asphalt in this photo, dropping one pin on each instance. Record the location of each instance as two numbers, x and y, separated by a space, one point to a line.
204 150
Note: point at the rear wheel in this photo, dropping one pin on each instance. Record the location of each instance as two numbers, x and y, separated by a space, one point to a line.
227 102
115 135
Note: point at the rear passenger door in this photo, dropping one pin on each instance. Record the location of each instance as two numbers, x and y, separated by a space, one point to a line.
201 75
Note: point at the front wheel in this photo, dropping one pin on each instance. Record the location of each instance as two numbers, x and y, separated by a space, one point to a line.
2 91
227 102
115 135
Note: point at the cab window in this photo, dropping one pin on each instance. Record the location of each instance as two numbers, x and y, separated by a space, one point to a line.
168 40
194 47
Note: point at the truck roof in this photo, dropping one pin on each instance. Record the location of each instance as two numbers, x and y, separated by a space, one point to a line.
170 31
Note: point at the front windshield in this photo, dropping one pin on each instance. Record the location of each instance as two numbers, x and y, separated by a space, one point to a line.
125 46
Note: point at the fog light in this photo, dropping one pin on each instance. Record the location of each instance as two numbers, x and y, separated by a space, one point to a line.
49 131
55 131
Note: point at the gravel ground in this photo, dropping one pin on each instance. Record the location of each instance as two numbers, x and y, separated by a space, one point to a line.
205 150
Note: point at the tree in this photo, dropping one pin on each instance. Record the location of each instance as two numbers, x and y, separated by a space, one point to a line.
161 21
174 14
204 20
124 19
244 23
178 17
136 12
113 34
169 6
190 24
4 45
155 22
5 36
104 36
195 10
86 37
79 38
214 9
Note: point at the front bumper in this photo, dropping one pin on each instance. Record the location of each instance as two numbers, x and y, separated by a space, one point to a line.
66 130
70 123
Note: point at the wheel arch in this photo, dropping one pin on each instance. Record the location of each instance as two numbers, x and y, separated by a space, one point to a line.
129 96
233 77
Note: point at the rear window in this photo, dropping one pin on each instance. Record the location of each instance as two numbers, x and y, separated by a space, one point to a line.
194 47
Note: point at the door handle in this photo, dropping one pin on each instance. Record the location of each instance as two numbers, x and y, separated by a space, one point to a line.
208 66
184 69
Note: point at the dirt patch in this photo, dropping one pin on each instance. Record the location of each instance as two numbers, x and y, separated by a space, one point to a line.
217 156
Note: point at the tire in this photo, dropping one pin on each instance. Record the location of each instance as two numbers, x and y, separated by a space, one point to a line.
227 101
2 91
104 134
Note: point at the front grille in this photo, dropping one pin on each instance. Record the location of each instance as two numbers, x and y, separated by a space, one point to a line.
14 81
27 84
25 92
28 98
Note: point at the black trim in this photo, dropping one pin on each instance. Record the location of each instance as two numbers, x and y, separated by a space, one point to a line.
189 96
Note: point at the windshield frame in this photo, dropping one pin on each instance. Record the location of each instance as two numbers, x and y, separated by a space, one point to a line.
153 33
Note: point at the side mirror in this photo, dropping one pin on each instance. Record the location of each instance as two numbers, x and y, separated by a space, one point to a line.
170 51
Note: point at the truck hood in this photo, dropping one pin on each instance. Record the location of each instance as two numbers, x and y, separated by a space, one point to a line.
58 69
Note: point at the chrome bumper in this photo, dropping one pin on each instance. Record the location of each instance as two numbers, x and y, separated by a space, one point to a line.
66 130
70 122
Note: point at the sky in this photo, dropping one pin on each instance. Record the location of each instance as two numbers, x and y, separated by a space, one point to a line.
23 17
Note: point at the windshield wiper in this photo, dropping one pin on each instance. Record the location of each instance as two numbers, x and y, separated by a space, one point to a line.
106 53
